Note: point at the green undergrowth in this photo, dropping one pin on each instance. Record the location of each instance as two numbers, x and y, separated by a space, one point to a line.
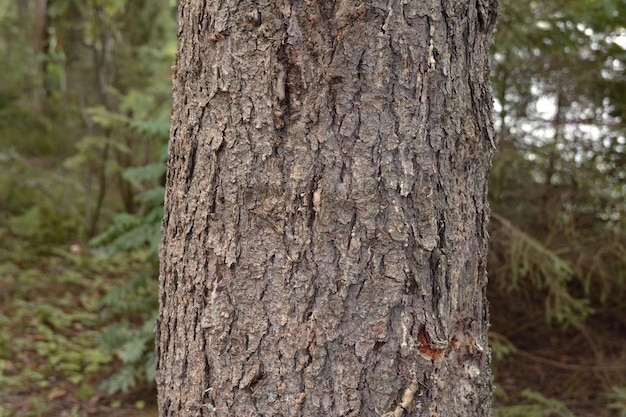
76 320
55 312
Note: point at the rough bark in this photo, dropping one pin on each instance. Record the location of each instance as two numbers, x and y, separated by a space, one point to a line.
325 231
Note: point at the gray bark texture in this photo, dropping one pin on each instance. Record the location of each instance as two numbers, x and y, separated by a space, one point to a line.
325 232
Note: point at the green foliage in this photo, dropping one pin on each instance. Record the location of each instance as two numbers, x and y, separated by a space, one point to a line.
540 407
42 205
617 396
27 132
135 348
134 344
540 269
557 185
125 151
54 317
82 128
44 327
131 232
501 346
550 406
519 410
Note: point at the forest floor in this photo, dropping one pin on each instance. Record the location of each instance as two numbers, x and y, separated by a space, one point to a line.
70 339
579 371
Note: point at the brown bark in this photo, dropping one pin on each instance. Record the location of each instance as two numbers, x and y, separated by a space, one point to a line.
325 229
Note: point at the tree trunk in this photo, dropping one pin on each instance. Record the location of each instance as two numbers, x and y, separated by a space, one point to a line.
325 231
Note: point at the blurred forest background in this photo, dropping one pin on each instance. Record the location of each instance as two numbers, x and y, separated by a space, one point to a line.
84 119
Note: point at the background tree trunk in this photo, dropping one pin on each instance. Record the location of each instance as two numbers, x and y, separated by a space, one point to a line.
324 240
